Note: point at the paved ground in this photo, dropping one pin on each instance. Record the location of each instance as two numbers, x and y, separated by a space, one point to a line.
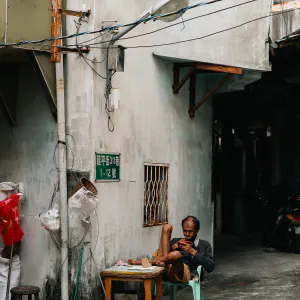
246 272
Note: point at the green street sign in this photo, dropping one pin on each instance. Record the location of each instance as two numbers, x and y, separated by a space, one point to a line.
107 166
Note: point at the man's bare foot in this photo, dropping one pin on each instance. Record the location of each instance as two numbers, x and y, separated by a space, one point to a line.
134 262
139 263
160 264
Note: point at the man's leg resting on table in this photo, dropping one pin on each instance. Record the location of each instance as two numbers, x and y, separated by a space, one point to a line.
164 246
164 256
165 239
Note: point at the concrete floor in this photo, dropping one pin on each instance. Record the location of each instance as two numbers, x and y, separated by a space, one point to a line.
244 271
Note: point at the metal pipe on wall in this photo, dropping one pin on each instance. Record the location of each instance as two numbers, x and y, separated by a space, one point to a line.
62 164
62 157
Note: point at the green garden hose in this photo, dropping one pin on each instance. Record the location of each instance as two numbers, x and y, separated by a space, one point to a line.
78 273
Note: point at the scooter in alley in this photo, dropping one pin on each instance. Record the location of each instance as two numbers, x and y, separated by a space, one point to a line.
286 233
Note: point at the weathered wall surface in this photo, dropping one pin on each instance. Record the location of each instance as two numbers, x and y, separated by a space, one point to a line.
286 19
239 45
152 124
26 155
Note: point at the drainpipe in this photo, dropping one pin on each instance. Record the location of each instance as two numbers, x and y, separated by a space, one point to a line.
62 152
62 165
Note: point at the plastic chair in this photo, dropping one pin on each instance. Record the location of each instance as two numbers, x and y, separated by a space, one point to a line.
196 286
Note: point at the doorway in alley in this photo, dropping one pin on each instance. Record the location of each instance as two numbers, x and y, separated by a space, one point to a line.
256 164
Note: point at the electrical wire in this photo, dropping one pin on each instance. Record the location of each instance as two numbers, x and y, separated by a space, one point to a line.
110 124
208 35
130 24
151 32
106 53
100 279
94 70
92 251
175 24
78 25
79 244
56 189
97 239
82 239
106 29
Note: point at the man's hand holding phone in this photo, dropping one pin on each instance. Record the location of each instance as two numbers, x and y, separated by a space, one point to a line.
186 246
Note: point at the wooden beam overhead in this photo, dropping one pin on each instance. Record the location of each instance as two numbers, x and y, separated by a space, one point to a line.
219 68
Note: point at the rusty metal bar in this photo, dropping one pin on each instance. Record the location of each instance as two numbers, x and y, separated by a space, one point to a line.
53 29
156 193
221 82
190 72
157 165
166 194
74 13
146 184
56 29
159 194
151 187
156 224
74 50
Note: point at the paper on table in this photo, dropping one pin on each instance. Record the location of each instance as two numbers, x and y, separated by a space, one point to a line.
140 268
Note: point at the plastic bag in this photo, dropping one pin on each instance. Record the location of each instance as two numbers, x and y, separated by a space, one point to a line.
50 219
9 188
82 204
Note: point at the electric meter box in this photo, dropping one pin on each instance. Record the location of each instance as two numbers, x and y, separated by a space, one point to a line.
116 58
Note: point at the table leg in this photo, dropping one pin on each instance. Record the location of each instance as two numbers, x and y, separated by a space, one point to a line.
107 282
158 288
148 289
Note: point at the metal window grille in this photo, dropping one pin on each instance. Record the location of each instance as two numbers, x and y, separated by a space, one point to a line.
155 194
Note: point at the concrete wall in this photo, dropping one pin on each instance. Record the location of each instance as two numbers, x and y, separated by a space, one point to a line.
286 19
26 155
240 44
152 124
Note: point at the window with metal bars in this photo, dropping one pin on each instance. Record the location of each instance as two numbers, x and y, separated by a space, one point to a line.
156 181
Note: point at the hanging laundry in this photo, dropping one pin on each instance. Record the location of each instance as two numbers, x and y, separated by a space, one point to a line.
10 228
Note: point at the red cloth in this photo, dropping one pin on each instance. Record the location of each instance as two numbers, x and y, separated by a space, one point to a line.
10 228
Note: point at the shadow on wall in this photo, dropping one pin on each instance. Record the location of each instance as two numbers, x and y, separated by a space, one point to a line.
27 149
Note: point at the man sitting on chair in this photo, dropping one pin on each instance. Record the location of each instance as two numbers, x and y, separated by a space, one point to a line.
181 257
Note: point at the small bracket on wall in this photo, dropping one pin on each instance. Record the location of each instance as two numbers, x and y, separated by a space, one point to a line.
178 84
75 13
193 108
56 29
193 79
200 68
74 50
